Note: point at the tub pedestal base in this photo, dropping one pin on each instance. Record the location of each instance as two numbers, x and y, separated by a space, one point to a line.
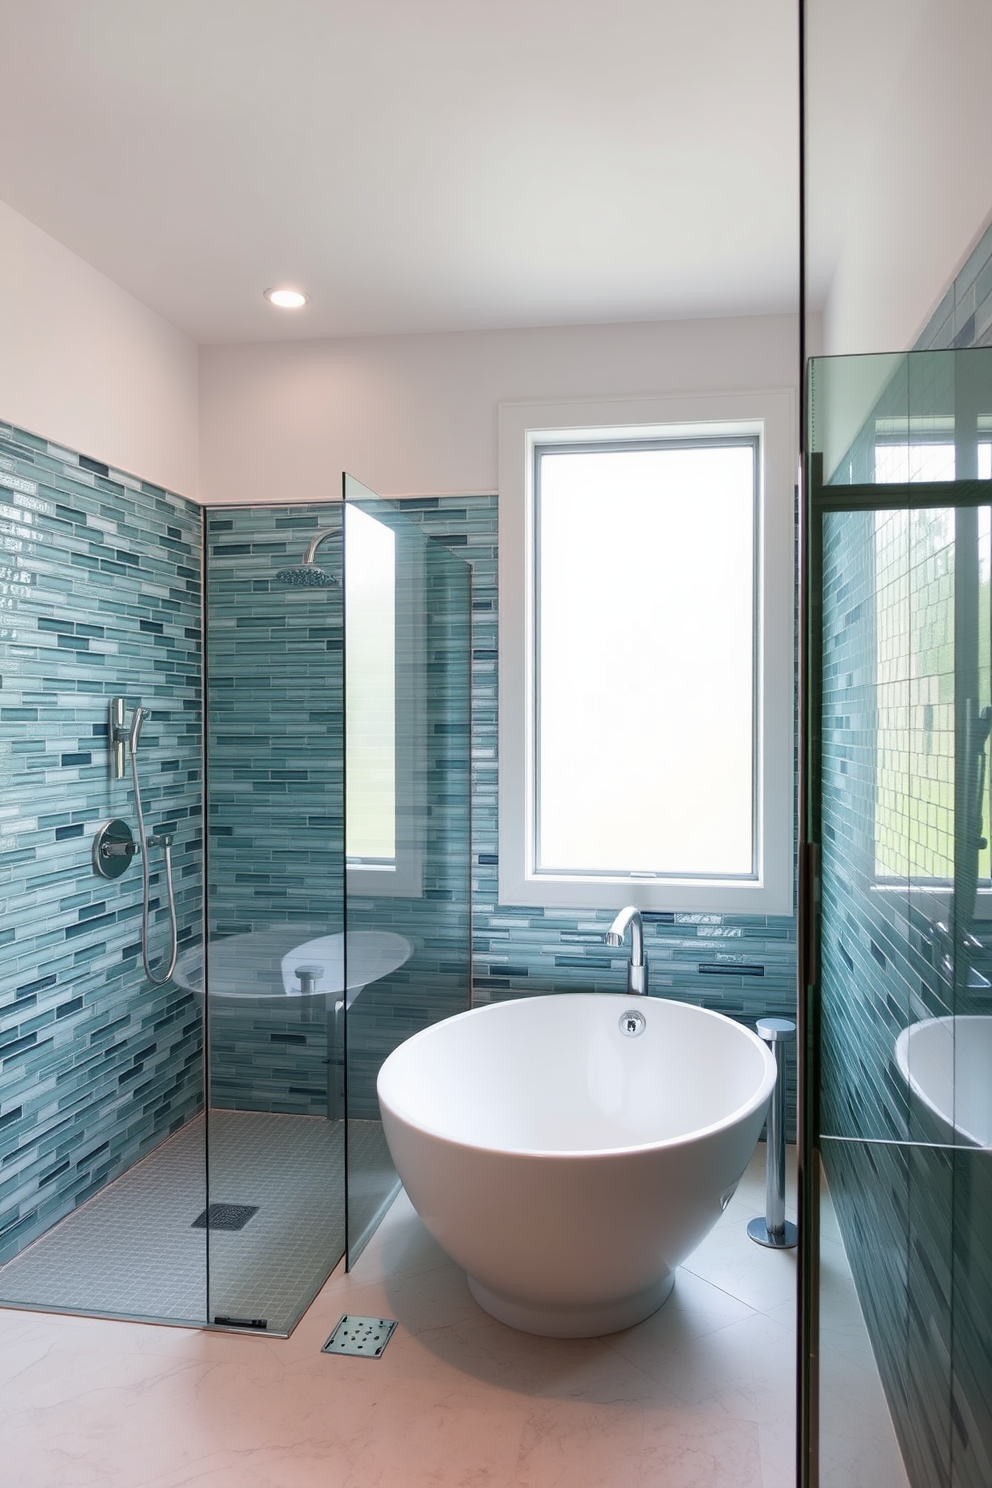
580 1321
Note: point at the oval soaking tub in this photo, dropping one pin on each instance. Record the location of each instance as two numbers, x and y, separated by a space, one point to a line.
567 1164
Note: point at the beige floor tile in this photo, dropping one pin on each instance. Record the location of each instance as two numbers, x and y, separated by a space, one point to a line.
777 1445
698 1396
760 1277
696 1450
566 1445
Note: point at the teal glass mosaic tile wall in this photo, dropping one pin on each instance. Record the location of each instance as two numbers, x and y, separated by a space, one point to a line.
905 670
275 703
100 595
275 811
915 1215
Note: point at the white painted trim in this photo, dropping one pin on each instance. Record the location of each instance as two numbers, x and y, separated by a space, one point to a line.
772 413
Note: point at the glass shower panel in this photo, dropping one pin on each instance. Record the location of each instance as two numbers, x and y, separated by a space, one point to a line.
275 905
900 669
408 672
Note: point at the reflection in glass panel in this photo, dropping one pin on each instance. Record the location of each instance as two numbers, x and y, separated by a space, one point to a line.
275 955
905 987
370 658
407 919
914 738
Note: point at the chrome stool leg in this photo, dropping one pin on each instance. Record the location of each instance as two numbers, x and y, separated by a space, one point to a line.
773 1229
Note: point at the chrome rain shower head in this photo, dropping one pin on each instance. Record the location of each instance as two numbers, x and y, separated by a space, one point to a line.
307 575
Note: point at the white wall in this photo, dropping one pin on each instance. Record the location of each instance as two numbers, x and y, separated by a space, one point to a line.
85 364
925 192
415 415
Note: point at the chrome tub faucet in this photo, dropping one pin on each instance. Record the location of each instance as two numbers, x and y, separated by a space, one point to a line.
637 966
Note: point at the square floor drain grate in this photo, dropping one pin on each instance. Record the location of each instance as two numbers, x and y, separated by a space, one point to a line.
363 1337
224 1217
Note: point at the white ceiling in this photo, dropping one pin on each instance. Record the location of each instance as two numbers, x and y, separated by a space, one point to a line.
418 165
413 164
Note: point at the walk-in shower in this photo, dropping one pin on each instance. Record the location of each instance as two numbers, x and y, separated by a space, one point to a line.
188 1123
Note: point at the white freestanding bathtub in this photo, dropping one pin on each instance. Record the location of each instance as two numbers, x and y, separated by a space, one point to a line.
570 1165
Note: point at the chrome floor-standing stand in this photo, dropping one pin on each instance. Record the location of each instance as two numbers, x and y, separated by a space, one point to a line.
774 1230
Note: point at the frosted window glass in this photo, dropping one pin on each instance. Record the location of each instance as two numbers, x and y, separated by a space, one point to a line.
370 688
645 603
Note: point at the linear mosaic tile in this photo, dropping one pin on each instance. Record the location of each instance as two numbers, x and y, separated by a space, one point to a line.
914 1216
99 595
276 810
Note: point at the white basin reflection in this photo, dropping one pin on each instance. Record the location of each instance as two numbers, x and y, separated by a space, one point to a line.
947 1063
261 966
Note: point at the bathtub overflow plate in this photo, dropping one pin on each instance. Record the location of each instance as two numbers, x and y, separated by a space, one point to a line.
632 1023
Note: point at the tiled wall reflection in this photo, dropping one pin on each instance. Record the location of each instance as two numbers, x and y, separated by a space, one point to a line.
914 1216
435 981
964 315
100 595
916 1219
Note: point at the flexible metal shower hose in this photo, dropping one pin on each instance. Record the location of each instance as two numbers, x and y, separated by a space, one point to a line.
156 978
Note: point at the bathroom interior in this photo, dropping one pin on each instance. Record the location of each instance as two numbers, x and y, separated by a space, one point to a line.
297 606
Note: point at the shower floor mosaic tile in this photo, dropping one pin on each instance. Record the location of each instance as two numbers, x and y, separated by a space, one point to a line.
134 1248
698 1396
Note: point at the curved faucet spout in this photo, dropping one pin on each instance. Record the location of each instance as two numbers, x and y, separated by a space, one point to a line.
637 966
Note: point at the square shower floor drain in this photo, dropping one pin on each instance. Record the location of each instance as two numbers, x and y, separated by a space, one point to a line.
224 1217
362 1337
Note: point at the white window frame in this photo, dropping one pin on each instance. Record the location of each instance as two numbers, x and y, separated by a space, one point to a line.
771 415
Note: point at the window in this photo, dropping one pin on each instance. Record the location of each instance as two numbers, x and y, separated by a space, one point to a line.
646 630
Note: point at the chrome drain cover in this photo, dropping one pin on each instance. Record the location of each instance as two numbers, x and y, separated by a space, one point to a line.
362 1337
632 1023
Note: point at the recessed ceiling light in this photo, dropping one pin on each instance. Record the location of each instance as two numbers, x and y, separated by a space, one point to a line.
286 299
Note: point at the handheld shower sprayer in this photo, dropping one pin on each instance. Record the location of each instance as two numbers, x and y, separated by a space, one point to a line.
137 719
167 965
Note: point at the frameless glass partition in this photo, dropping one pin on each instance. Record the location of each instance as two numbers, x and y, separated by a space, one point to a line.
275 1221
407 808
900 488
